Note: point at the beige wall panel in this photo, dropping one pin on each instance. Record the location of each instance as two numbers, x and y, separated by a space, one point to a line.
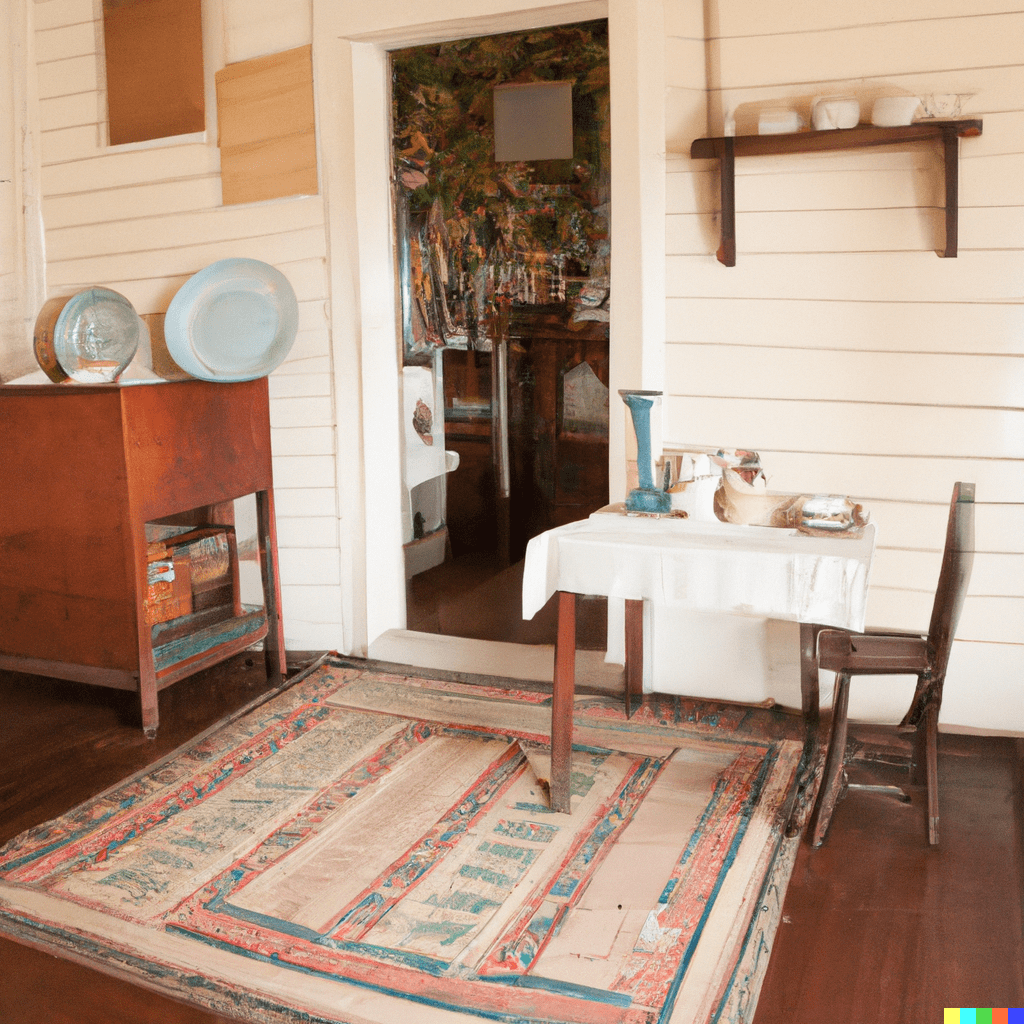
685 117
803 374
70 76
988 619
301 412
128 167
907 277
1002 133
180 230
133 202
992 181
253 28
873 51
303 471
85 108
815 231
695 187
997 227
313 566
310 604
891 477
69 40
56 14
904 524
62 144
300 363
307 531
845 427
996 328
274 249
299 385
684 63
154 294
815 186
303 441
739 18
305 501
685 19
983 687
992 576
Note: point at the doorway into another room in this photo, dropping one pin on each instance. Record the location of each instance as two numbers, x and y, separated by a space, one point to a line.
502 203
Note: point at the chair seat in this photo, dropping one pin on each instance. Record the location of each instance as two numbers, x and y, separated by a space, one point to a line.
869 653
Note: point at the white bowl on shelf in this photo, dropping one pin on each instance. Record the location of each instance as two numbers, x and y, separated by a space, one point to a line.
891 111
830 112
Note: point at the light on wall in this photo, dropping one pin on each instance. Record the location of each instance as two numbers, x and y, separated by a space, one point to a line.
533 121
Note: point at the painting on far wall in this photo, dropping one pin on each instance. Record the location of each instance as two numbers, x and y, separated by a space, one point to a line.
477 237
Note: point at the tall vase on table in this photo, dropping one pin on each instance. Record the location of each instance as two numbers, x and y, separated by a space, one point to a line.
646 497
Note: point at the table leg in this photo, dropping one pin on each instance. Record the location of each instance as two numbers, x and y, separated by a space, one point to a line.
809 773
562 702
634 655
273 646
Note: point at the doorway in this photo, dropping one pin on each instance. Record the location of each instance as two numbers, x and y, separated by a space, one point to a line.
503 271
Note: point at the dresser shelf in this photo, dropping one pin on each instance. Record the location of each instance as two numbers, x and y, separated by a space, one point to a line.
725 149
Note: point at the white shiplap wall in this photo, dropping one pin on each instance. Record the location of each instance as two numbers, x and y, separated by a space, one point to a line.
840 346
142 219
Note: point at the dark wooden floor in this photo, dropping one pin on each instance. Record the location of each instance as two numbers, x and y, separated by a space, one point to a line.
878 928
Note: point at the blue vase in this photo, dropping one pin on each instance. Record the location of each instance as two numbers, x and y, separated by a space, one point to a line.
646 497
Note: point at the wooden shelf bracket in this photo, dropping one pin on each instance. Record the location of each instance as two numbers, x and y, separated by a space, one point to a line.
725 149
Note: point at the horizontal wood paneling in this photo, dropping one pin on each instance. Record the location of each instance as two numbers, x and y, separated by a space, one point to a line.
866 51
68 40
993 575
60 14
301 412
302 440
311 566
297 501
995 328
888 277
307 531
863 428
297 385
999 528
303 471
133 202
983 686
186 230
311 604
129 167
69 76
888 477
803 374
749 19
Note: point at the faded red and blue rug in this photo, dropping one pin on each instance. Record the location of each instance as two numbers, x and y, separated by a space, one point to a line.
375 848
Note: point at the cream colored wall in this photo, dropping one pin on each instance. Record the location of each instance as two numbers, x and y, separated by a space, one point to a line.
840 346
141 219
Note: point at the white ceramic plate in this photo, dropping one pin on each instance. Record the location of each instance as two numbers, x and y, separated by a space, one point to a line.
234 320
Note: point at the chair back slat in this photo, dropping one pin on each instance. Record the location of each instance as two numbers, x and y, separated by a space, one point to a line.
954 576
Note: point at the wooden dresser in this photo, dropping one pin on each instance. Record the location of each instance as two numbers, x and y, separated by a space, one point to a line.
83 470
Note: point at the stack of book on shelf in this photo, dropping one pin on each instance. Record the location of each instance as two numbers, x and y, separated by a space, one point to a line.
193 601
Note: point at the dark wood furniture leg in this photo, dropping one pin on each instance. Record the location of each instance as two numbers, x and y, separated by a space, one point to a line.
810 761
634 656
273 646
561 703
832 782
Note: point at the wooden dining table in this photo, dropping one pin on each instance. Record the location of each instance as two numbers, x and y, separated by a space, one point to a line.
816 578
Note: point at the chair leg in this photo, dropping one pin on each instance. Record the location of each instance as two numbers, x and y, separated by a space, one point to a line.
832 783
931 740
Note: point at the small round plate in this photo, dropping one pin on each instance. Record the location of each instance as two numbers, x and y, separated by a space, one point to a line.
234 320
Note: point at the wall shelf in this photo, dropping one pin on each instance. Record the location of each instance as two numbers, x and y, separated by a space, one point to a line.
727 148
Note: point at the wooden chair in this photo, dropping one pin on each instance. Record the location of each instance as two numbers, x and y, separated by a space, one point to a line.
880 652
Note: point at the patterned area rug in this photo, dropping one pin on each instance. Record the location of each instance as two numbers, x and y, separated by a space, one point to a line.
372 848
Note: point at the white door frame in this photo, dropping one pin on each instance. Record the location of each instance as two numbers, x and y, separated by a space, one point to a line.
350 48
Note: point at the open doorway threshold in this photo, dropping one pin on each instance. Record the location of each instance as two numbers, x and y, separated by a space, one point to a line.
468 660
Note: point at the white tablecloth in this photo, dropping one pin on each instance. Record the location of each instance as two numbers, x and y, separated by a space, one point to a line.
746 570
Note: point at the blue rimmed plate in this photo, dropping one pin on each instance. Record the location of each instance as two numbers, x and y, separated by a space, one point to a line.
234 320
